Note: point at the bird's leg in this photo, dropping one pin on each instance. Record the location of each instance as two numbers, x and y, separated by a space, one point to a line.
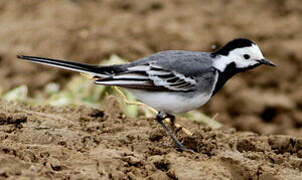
125 100
160 117
171 119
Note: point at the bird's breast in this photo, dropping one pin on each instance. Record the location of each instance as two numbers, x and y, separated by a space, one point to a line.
171 102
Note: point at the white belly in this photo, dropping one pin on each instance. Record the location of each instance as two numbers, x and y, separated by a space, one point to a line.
169 103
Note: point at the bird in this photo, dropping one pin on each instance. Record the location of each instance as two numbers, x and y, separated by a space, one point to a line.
172 81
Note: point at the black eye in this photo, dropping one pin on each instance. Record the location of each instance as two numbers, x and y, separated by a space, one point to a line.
246 56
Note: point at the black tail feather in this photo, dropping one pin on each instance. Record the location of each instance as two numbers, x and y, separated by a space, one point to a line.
74 66
81 67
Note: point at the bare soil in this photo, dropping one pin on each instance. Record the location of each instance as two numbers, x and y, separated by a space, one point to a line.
85 143
261 110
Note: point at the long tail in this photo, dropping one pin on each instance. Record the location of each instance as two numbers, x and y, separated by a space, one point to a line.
100 71
114 75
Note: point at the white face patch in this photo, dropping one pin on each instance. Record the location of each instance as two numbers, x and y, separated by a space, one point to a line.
237 56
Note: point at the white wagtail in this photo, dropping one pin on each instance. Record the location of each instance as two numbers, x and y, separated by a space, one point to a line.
173 81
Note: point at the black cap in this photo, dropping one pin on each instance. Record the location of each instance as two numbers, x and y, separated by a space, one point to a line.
234 44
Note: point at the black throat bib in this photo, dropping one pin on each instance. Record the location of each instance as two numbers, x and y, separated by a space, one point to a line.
229 72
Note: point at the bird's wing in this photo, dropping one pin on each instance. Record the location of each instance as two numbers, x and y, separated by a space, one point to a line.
150 76
167 70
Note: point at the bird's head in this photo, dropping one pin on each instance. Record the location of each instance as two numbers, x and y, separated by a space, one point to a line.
243 53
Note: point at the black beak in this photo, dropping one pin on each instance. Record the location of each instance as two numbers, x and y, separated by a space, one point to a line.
266 62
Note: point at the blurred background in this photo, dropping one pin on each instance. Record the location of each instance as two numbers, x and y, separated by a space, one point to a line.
265 100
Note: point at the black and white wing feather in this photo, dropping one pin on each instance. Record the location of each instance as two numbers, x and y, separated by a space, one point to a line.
150 76
180 71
